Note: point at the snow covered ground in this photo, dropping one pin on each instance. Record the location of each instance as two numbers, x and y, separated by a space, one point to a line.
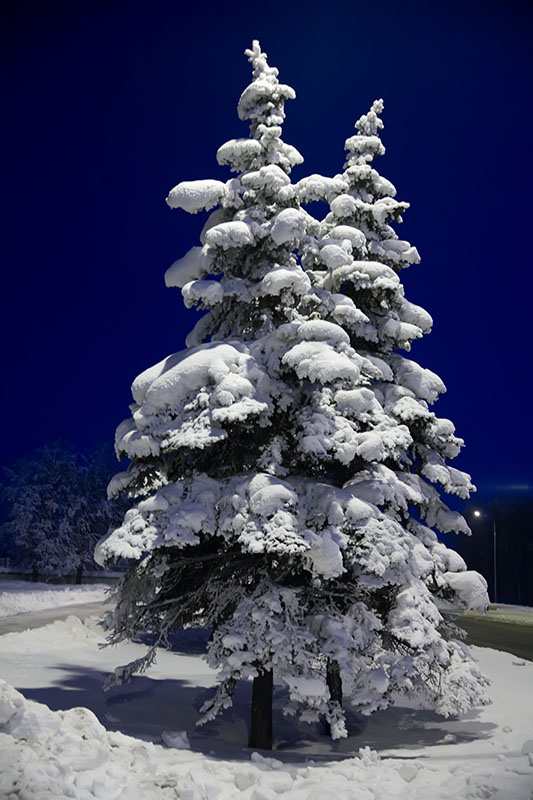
399 753
20 597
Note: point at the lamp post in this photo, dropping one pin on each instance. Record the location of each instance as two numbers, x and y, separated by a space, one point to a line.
494 557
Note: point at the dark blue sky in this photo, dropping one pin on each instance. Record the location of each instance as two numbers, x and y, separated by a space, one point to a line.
110 104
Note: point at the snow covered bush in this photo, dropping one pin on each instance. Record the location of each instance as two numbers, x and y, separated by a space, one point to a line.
287 465
58 510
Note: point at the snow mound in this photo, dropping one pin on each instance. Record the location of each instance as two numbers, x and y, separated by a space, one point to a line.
47 754
21 597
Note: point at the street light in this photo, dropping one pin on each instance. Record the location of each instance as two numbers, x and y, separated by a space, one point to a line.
478 513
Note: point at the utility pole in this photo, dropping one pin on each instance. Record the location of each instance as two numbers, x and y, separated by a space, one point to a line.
494 539
494 548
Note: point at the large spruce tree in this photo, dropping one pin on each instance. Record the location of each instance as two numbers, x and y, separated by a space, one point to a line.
287 461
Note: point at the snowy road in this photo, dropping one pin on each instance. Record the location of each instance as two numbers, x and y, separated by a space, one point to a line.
511 637
484 632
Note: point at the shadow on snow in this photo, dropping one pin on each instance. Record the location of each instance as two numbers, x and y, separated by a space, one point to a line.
146 706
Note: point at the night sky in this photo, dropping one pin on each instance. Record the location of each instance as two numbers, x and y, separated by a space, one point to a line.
107 105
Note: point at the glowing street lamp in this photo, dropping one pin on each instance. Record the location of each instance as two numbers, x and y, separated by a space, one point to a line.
478 513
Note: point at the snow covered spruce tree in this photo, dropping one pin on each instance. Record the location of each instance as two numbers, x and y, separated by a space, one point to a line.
285 461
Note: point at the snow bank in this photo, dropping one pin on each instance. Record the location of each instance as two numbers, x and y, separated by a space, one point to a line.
20 597
46 754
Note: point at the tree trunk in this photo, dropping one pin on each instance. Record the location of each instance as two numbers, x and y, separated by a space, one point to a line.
34 575
334 682
261 720
79 573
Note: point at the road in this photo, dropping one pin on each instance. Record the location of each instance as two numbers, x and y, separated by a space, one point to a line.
516 639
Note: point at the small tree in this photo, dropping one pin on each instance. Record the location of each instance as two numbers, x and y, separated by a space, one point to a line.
285 461
58 510
386 430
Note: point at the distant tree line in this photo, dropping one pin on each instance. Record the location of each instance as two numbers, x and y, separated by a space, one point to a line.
56 509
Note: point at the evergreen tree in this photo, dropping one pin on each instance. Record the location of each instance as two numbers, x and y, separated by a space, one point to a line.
89 515
58 510
285 461
38 490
